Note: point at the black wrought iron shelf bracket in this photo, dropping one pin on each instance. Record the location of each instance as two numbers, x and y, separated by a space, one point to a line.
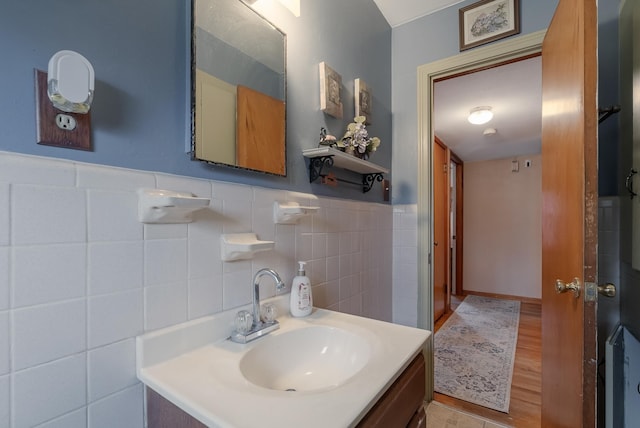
369 179
319 165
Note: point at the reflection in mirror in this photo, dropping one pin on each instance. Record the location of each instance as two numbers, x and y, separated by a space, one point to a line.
239 87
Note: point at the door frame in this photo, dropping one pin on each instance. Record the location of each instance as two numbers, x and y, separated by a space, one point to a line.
483 57
458 217
445 199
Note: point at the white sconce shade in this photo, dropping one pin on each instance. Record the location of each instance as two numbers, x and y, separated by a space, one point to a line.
480 115
70 82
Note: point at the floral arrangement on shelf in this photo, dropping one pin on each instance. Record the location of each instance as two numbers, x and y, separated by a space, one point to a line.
357 141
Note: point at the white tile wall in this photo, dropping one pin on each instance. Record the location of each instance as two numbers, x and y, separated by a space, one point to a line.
405 265
4 214
4 401
165 305
80 277
608 265
609 239
4 343
4 278
111 368
115 266
76 419
124 409
47 215
47 391
115 317
48 273
109 216
47 332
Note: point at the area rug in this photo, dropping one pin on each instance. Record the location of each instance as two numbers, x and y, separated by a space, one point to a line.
475 349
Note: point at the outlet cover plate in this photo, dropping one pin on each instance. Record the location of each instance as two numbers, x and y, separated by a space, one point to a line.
48 133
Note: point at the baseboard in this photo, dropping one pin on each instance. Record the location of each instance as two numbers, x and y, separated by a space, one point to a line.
531 300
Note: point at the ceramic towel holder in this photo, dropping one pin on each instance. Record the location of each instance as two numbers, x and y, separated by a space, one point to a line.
290 213
242 246
166 206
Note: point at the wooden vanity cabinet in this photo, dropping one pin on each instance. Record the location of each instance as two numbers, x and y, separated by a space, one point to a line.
400 406
162 413
403 403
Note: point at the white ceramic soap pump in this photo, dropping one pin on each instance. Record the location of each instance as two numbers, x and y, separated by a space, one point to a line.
301 302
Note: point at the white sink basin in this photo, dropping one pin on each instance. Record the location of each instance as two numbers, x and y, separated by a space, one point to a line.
308 359
338 364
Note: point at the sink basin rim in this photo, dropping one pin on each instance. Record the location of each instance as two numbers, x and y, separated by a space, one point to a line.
314 358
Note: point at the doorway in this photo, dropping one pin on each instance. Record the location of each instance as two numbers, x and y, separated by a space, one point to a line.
479 58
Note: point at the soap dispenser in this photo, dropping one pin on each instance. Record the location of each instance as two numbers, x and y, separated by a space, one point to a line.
301 302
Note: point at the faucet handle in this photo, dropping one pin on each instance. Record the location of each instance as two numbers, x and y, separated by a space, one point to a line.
243 321
269 312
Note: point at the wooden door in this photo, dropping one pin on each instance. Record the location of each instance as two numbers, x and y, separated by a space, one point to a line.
441 229
569 204
260 132
459 218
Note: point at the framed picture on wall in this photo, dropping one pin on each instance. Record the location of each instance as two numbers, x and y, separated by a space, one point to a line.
363 100
488 20
330 89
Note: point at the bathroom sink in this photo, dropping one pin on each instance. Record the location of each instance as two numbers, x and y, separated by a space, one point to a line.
287 378
315 358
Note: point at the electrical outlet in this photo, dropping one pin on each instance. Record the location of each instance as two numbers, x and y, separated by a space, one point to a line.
66 122
58 128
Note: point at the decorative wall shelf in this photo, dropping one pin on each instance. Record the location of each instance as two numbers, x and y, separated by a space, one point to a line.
242 246
166 206
326 157
290 213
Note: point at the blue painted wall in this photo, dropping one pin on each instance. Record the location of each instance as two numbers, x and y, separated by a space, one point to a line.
237 68
419 42
139 51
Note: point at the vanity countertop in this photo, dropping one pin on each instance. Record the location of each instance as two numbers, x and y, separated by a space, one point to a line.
195 367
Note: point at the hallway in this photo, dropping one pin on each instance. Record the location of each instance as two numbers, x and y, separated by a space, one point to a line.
524 410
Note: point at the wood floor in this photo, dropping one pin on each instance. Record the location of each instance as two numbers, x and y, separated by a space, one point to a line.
524 408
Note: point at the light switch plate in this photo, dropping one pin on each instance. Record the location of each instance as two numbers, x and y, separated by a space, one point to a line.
48 133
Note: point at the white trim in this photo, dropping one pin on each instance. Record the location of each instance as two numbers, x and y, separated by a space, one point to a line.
470 60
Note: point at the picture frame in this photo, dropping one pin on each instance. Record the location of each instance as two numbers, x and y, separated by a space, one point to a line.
363 100
488 20
330 91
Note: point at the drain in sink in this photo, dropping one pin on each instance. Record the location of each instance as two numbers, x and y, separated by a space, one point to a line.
290 390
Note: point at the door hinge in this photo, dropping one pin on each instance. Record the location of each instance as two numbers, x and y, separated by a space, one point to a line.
590 291
429 259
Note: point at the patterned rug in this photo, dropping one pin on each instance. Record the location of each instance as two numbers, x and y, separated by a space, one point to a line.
475 350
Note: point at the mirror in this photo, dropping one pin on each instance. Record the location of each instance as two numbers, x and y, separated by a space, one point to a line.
238 63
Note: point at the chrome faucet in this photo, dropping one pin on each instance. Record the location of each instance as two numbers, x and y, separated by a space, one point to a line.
259 327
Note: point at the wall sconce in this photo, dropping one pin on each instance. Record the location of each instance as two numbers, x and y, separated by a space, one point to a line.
480 115
70 82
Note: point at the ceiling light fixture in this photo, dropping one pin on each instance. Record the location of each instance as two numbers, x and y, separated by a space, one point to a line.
480 115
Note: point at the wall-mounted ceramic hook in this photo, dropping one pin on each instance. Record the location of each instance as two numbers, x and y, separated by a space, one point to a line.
166 206
290 213
242 246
